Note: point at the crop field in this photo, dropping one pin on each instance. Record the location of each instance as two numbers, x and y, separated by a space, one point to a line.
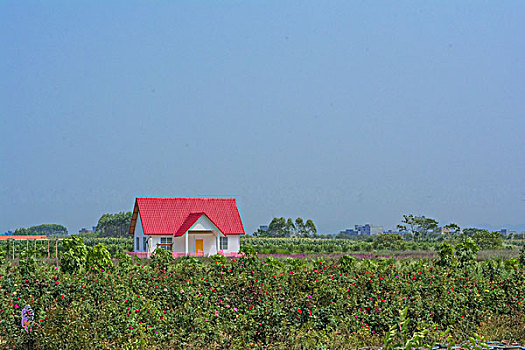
255 302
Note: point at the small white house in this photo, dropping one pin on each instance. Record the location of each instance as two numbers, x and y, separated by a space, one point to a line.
186 226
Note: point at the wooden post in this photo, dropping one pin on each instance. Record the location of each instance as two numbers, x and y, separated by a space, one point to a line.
35 248
13 241
48 249
56 250
27 241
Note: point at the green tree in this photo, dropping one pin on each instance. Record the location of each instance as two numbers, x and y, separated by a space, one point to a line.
419 226
21 231
310 227
469 232
290 227
300 228
487 240
277 227
114 225
282 227
453 229
43 229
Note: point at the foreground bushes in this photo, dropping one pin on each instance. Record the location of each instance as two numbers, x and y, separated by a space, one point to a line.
250 303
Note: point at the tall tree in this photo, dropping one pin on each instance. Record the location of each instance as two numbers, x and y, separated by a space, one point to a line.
114 225
277 227
310 227
418 226
453 229
300 227
282 227
487 240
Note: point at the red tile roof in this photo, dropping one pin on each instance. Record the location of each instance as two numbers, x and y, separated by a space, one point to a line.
174 216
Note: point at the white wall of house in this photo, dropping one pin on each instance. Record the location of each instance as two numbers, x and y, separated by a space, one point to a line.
203 224
139 234
234 244
156 239
178 244
209 241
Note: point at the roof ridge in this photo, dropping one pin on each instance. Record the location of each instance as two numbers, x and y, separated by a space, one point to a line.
208 199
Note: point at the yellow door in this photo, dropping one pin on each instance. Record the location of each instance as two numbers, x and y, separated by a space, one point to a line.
199 245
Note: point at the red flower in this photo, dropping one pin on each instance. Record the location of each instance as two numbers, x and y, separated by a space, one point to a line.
62 296
298 310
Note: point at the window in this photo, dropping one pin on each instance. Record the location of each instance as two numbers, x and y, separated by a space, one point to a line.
224 243
166 243
138 245
145 243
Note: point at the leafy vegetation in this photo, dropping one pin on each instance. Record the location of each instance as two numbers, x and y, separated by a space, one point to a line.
75 255
217 303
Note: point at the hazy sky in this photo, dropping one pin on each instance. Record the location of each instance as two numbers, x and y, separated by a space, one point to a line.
345 112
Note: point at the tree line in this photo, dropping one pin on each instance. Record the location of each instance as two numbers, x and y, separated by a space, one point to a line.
114 225
281 227
43 229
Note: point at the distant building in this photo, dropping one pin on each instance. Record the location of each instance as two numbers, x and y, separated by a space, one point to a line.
263 227
366 229
444 230
84 230
350 232
504 231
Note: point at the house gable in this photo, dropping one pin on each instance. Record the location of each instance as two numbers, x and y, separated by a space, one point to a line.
203 223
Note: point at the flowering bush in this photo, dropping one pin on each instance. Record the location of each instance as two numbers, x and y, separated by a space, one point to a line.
260 303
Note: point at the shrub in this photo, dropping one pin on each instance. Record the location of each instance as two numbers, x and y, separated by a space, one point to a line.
389 241
219 258
74 258
28 262
161 259
273 263
446 255
295 263
125 261
98 257
466 251
511 263
347 263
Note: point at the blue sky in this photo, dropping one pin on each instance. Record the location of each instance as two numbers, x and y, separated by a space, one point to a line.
345 112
